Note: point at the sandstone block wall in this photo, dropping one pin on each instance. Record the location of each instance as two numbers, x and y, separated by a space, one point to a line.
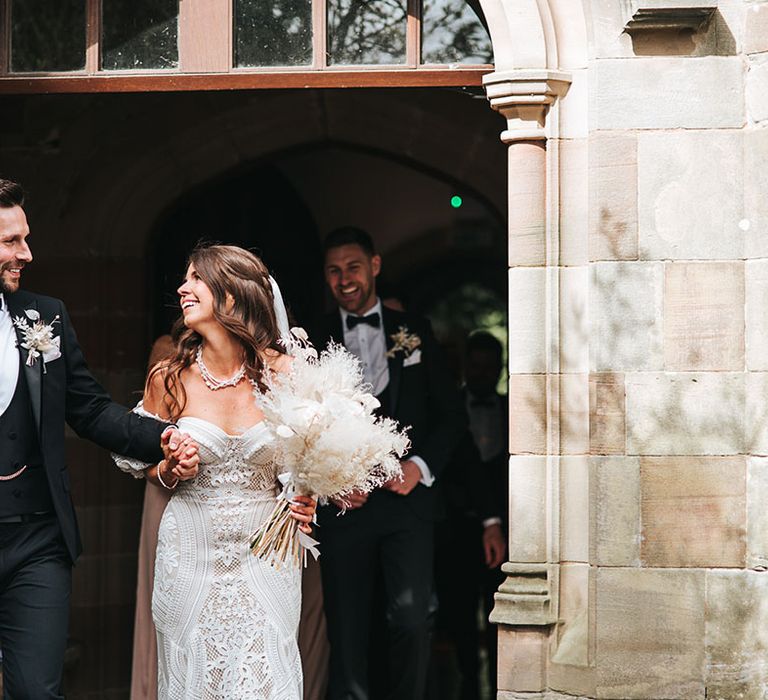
662 595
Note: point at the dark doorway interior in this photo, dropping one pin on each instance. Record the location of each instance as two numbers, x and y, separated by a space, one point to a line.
439 260
258 209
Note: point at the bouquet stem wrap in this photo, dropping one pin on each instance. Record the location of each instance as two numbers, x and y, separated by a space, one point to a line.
327 437
279 537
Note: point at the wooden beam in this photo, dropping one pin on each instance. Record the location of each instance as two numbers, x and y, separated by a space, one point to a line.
178 82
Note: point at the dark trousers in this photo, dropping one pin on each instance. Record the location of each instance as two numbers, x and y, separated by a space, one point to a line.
384 538
458 572
35 586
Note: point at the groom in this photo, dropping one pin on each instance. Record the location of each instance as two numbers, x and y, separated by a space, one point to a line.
44 382
387 536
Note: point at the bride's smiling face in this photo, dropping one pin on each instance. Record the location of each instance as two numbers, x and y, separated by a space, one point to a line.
196 299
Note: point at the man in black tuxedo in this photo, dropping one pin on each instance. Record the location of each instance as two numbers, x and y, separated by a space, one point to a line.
388 534
41 387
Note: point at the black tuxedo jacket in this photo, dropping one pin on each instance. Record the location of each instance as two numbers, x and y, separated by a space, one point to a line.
67 392
475 488
421 396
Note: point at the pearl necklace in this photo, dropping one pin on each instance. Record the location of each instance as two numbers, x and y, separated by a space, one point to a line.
212 382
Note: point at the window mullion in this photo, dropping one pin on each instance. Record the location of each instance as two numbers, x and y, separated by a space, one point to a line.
413 34
92 36
319 35
205 36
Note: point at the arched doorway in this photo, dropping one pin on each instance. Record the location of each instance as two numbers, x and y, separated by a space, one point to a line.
437 236
107 196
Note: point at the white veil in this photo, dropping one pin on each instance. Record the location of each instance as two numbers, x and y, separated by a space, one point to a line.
281 314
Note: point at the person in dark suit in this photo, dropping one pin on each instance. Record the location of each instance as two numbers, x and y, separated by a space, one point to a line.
388 534
44 382
470 544
489 426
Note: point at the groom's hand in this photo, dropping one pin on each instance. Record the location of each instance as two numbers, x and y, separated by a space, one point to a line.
353 500
172 438
181 452
411 477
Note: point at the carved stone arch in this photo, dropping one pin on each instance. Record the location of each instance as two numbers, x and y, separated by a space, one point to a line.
537 34
517 34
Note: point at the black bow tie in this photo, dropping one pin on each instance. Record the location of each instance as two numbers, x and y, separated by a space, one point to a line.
371 319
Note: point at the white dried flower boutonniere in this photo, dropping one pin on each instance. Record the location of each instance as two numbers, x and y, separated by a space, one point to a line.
403 342
38 339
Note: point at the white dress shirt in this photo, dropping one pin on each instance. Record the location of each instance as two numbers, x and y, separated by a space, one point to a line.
369 345
9 357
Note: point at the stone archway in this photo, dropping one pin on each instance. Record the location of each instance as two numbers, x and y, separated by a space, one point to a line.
539 88
543 608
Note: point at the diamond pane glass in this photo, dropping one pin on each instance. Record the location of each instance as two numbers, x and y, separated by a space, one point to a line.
141 34
276 33
368 32
451 32
47 35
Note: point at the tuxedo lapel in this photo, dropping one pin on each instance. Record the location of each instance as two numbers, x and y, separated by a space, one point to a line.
33 374
395 362
335 330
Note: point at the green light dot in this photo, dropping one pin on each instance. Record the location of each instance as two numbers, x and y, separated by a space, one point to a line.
456 201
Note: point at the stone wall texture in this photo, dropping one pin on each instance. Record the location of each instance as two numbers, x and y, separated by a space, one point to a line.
670 485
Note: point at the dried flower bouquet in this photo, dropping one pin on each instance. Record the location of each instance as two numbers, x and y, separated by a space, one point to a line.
328 440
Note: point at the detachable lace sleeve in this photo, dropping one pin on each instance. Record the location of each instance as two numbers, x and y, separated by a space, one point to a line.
133 466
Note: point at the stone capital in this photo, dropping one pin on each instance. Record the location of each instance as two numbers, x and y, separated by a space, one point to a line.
643 15
524 98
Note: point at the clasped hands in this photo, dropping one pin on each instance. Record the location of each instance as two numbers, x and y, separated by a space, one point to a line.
180 457
402 486
180 463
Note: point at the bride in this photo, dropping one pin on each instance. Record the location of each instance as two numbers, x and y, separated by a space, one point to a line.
226 620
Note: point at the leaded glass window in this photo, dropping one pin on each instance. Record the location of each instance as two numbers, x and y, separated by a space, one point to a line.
275 33
47 35
366 32
204 37
141 34
451 32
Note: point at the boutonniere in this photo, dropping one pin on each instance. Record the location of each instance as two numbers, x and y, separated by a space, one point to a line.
38 339
403 342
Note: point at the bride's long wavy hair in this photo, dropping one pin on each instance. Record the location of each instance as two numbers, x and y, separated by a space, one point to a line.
238 280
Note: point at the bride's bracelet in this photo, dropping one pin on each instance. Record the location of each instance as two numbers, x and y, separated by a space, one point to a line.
160 479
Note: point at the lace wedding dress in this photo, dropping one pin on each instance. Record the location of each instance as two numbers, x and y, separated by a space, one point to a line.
227 621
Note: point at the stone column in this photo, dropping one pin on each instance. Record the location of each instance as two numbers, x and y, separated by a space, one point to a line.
526 602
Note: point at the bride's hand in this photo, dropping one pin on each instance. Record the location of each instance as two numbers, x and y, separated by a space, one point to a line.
303 510
181 453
